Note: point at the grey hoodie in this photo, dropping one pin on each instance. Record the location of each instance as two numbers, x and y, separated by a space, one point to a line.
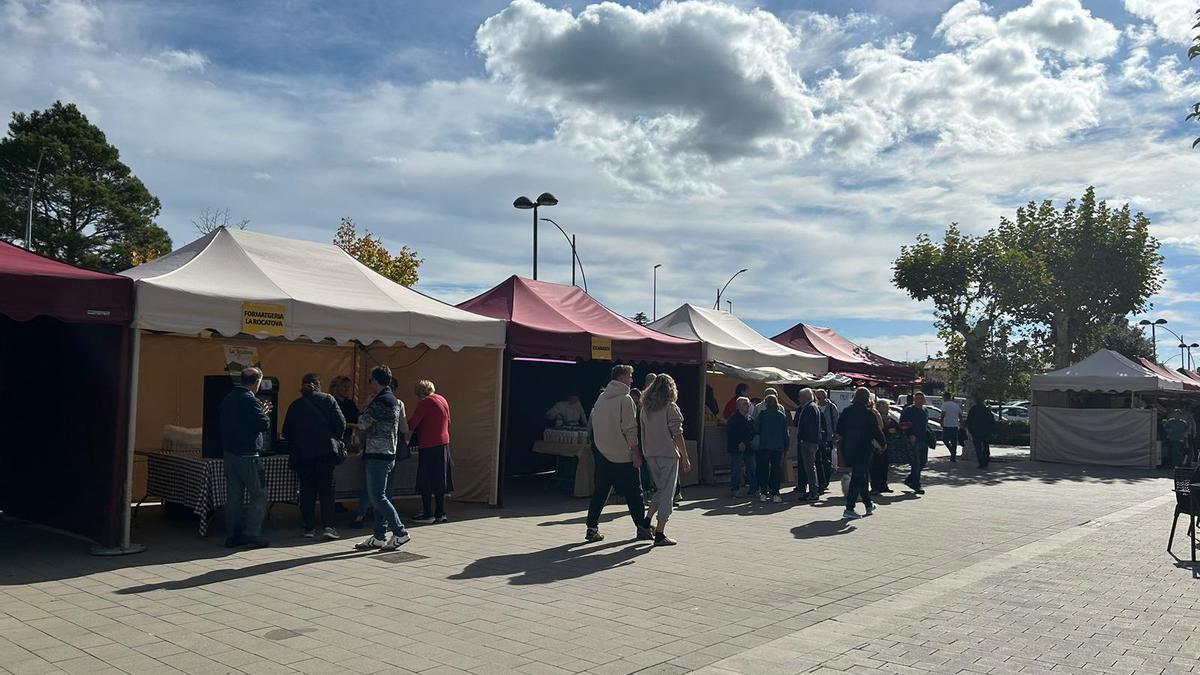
614 423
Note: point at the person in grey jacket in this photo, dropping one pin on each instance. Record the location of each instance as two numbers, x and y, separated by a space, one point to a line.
772 444
379 426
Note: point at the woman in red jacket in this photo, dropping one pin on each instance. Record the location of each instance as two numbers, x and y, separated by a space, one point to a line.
430 425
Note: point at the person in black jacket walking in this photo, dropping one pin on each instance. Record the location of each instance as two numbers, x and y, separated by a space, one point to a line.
739 433
859 429
243 419
808 439
914 422
981 423
313 427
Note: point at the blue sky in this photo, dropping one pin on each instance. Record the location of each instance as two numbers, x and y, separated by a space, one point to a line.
806 140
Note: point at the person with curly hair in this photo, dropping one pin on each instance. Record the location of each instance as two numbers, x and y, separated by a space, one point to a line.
663 445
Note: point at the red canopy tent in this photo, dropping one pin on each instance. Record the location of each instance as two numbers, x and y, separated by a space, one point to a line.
64 394
556 338
845 357
1187 382
558 321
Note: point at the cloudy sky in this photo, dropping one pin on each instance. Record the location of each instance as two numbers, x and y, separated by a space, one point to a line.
804 139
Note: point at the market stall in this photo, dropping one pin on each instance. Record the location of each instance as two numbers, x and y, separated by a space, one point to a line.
1100 411
735 353
236 298
561 341
64 375
863 366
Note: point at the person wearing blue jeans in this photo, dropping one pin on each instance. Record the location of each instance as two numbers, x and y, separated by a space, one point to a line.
364 500
739 432
914 422
243 419
379 426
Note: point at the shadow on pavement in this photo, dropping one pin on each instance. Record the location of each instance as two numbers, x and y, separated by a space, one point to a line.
822 528
232 573
569 561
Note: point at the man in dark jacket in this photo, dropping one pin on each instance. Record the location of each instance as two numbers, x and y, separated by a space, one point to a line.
243 419
981 423
828 423
808 438
914 424
313 427
858 427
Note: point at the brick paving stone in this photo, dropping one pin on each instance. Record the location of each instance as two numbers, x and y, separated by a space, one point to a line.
1065 574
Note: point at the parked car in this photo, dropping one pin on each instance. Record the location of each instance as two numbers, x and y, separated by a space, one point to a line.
934 426
1019 404
1015 413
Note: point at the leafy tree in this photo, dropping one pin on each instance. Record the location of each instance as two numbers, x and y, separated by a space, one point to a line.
641 319
1120 336
214 219
1193 52
1070 271
89 208
959 276
369 250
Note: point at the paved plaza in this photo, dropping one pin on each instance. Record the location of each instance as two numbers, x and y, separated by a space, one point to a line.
1027 568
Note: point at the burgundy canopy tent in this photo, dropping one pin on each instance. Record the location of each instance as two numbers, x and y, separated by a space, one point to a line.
64 393
562 341
847 358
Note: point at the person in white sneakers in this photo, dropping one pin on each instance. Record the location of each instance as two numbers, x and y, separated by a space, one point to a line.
858 427
379 425
951 422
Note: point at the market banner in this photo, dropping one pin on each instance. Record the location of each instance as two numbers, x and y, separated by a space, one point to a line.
260 318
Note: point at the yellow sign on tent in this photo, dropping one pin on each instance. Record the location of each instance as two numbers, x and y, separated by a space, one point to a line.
601 348
260 318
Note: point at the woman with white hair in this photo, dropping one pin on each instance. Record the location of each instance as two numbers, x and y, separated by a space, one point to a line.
662 444
739 432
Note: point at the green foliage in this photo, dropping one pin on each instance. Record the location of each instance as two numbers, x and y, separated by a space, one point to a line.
641 319
1120 336
89 208
369 250
1192 53
1070 271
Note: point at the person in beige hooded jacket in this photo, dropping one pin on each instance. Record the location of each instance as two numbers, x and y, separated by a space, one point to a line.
618 460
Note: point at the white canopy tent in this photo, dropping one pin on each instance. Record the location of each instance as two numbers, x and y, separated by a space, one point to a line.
325 313
737 350
1125 436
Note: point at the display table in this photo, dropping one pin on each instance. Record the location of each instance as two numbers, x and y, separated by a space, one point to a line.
586 466
348 478
199 483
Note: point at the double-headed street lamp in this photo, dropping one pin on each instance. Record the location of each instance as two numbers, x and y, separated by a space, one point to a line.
1153 333
574 254
1186 363
523 202
722 289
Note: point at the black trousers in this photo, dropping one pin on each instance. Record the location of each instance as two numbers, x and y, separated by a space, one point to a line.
770 471
824 463
983 451
626 480
859 470
316 481
879 471
950 438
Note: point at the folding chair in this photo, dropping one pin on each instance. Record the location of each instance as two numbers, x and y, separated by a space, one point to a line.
1187 501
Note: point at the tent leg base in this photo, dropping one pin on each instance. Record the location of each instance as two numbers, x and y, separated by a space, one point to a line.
117 550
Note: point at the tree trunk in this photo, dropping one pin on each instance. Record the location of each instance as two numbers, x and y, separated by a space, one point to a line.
974 339
1062 340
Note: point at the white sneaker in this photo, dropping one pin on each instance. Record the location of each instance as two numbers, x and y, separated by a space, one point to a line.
309 534
396 542
332 533
849 514
777 499
763 498
371 544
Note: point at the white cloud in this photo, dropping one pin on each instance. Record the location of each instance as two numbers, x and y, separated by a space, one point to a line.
1172 19
174 59
667 98
70 21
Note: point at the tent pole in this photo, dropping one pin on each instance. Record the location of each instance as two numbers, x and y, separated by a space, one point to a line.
126 547
495 501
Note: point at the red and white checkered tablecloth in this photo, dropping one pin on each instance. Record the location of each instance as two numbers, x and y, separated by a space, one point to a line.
199 483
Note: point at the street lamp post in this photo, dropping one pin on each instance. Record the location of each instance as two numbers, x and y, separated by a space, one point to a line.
1191 364
1153 332
29 217
523 202
574 254
722 289
730 303
654 292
